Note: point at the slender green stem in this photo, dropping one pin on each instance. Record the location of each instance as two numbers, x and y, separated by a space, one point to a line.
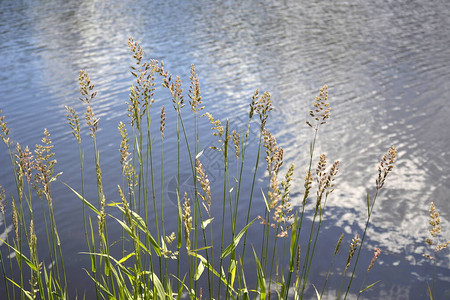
362 242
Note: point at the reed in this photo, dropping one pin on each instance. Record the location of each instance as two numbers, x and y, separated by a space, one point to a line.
150 265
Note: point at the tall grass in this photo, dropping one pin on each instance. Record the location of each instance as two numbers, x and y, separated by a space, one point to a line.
153 265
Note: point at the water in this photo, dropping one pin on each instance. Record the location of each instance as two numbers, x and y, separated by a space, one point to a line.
386 64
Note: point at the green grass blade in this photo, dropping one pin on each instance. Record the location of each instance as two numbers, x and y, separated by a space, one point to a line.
27 293
84 200
27 261
199 271
261 279
236 240
369 286
429 292
293 244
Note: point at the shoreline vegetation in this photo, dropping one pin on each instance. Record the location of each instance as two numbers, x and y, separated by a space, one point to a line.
189 262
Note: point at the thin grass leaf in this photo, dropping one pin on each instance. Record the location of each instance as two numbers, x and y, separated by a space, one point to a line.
236 240
199 154
101 286
206 222
200 249
27 293
369 286
182 286
265 201
244 290
141 224
199 271
317 292
93 262
126 257
157 283
233 268
368 204
293 244
207 265
262 289
180 223
125 227
429 291
84 200
125 270
18 253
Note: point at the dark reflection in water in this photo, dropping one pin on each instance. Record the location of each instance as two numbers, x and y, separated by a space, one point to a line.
386 64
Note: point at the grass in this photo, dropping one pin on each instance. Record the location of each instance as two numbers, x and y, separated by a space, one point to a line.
152 265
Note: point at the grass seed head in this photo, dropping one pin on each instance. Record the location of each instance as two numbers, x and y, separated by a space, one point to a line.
44 165
74 122
374 258
353 246
91 120
321 111
338 245
86 87
435 232
263 107
202 178
194 92
187 218
236 142
2 200
162 122
4 130
385 167
253 104
15 219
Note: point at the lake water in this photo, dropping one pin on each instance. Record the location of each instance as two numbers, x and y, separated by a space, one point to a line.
386 63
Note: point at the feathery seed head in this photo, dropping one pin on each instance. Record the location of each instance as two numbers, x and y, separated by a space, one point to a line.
4 130
217 129
308 184
15 218
24 162
138 53
102 216
263 107
91 120
353 246
124 146
297 264
321 111
187 221
142 92
44 165
2 200
202 177
162 122
374 258
435 232
33 239
274 154
385 167
74 122
283 211
253 104
194 92
236 142
86 87
338 245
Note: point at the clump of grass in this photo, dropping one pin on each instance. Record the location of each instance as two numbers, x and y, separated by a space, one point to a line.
151 265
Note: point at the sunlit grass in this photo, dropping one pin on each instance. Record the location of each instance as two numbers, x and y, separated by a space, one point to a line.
158 264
